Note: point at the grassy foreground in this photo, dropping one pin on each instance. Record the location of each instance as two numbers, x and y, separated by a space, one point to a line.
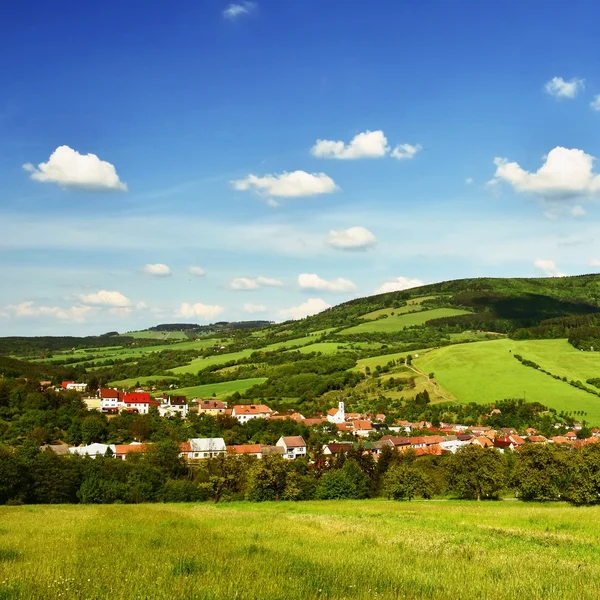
336 550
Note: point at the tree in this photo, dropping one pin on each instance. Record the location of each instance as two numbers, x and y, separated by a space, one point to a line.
584 433
541 472
404 482
349 482
267 479
477 473
584 485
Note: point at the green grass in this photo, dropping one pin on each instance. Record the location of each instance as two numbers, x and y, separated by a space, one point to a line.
485 372
399 322
383 359
157 335
219 389
127 383
354 550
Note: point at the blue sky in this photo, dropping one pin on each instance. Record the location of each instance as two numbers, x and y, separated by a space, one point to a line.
219 136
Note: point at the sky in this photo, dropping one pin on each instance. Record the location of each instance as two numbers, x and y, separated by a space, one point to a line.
203 161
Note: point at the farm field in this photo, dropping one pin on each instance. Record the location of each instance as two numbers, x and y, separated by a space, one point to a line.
219 389
306 550
398 322
127 383
487 371
157 335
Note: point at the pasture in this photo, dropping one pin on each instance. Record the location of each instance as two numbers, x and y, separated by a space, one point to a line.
402 321
356 550
485 372
219 389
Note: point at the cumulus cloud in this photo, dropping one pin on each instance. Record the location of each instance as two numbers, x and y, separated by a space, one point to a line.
595 103
255 308
369 144
70 169
120 311
559 88
199 310
233 11
248 283
548 267
158 270
311 307
288 185
106 298
30 309
406 151
196 271
398 284
566 173
354 238
311 281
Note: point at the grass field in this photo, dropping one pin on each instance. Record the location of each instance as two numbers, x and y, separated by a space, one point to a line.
398 322
355 550
157 335
487 371
127 383
220 389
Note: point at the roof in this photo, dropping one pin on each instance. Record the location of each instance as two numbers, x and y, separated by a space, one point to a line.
250 409
245 449
313 422
137 398
537 438
560 439
339 447
64 384
363 425
109 393
517 440
208 445
177 400
396 440
209 404
185 447
332 411
483 441
127 448
294 441
56 448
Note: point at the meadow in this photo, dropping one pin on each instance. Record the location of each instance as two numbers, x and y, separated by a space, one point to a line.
220 390
485 372
297 551
402 321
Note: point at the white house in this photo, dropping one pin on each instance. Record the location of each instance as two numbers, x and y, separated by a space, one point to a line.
337 415
173 405
245 412
78 387
110 399
362 427
92 450
293 446
452 445
206 448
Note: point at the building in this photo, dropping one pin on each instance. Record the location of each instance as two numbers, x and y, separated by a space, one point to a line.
139 401
209 407
255 450
245 412
293 446
110 399
361 427
123 450
172 406
202 448
337 415
93 450
73 385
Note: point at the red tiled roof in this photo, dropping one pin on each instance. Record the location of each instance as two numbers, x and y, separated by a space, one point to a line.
64 384
127 448
109 393
294 441
396 440
245 449
332 411
209 404
185 447
251 409
537 438
313 422
362 425
136 397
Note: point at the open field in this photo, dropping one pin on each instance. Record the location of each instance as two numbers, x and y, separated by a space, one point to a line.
297 551
219 389
127 383
157 335
485 372
398 322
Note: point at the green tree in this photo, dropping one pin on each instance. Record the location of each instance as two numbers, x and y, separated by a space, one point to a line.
584 484
541 472
267 479
349 482
477 473
403 482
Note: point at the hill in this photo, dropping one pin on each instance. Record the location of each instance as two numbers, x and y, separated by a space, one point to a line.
466 334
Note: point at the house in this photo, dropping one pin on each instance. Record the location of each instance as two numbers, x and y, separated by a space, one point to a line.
92 450
571 436
93 402
246 449
122 450
504 443
174 405
110 399
477 431
336 448
60 449
452 444
139 401
531 431
200 448
560 439
482 441
537 439
73 385
417 442
337 415
293 446
314 422
361 427
209 407
245 412
396 441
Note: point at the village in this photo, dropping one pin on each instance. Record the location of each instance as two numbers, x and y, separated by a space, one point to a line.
348 431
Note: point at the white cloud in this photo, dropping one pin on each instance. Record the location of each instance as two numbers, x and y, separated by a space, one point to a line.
354 238
398 284
199 310
255 308
369 144
196 271
548 267
595 103
288 185
106 298
120 311
594 262
233 11
577 211
469 180
406 151
158 270
30 309
566 173
311 281
311 307
248 283
70 169
559 88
